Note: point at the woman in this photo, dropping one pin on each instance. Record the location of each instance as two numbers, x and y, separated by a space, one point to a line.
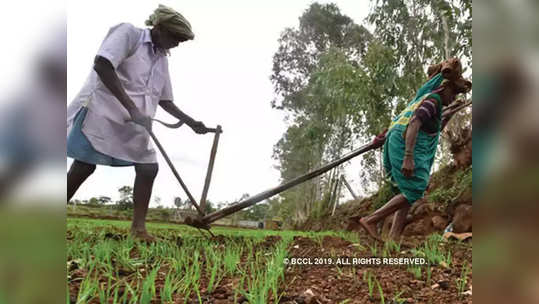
411 142
129 79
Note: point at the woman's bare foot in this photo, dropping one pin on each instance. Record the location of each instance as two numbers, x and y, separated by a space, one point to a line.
370 229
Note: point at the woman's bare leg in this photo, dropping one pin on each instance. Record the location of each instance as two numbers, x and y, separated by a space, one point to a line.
398 223
394 204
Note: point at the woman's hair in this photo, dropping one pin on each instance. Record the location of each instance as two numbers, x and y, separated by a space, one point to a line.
451 70
433 70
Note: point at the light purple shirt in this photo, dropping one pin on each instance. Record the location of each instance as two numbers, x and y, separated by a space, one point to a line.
144 75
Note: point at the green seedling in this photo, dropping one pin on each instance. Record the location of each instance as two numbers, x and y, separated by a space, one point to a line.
416 271
380 291
392 246
428 271
397 299
463 280
370 282
374 250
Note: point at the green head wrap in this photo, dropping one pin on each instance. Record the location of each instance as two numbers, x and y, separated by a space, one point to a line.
172 21
432 84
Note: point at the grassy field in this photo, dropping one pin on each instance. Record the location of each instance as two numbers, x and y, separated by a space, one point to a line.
105 265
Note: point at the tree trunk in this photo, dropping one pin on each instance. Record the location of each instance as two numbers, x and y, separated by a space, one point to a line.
339 187
446 37
349 187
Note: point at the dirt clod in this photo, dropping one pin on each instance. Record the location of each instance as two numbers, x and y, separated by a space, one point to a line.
439 223
444 284
462 221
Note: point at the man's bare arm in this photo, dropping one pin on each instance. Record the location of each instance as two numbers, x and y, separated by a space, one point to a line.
173 110
108 76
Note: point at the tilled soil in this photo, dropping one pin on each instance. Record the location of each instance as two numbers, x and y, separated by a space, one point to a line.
346 284
329 283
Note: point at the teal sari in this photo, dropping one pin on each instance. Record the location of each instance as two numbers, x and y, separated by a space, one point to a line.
412 188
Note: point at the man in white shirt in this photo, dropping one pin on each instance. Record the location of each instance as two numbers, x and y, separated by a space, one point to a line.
129 80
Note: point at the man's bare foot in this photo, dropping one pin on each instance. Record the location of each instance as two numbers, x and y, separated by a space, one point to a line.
369 228
142 235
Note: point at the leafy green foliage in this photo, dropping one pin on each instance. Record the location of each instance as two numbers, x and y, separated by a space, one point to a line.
322 26
126 198
257 212
315 77
452 188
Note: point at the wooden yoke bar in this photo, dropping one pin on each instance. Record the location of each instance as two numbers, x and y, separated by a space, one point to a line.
212 217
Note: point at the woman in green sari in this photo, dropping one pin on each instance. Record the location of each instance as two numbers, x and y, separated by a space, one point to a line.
410 144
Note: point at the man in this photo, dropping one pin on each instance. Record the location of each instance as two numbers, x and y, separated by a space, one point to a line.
109 120
410 144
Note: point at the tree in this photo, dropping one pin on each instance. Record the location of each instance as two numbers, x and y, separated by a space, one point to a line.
74 202
126 198
422 32
187 204
165 213
310 67
257 212
209 207
274 207
178 202
94 202
157 201
321 27
103 200
221 205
